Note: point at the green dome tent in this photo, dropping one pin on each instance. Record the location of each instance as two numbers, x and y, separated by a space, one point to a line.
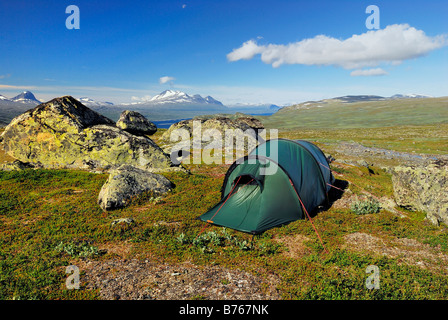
278 182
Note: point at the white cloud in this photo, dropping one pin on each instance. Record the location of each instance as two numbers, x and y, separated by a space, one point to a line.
166 79
368 72
246 52
393 45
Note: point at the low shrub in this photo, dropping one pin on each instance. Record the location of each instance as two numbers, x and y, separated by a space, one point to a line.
361 207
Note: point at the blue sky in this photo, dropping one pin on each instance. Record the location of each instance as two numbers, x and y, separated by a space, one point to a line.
280 52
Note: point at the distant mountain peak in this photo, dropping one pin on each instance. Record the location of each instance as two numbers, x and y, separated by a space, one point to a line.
26 97
409 95
180 97
88 102
2 97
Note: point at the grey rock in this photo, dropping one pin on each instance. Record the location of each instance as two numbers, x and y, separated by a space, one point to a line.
135 123
17 165
423 188
241 134
127 221
126 182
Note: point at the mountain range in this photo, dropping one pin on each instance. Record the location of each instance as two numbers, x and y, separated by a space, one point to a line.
178 97
174 104
88 102
359 98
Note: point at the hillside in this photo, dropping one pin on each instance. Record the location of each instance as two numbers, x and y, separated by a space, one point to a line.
339 114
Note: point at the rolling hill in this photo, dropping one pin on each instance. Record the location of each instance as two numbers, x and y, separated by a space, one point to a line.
364 112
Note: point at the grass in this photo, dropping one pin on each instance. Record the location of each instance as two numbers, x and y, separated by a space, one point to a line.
50 219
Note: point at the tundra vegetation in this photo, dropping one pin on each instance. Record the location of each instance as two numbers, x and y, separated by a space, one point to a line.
50 219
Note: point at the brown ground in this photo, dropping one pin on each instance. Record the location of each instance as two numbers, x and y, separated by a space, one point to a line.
145 279
406 250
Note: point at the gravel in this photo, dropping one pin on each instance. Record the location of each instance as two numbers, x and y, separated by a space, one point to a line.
122 279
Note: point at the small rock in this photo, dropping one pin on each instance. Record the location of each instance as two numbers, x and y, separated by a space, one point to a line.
16 165
363 163
128 221
135 123
126 182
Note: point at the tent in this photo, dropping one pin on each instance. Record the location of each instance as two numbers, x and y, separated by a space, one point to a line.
278 182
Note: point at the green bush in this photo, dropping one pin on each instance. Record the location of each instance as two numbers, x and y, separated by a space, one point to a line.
361 207
81 249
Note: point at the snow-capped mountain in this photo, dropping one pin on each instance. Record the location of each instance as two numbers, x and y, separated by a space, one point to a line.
26 97
88 102
179 97
409 95
3 98
10 108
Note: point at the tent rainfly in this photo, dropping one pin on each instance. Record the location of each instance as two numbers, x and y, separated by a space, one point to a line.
278 182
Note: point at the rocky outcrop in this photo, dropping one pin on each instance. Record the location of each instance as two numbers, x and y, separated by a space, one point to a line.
423 188
214 133
136 123
63 133
126 182
251 122
17 165
219 123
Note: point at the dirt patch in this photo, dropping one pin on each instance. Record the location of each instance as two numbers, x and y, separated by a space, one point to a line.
408 251
121 279
295 245
358 150
121 249
345 201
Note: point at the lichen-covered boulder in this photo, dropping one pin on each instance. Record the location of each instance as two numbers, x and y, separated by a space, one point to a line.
126 182
219 138
423 188
63 133
16 165
251 122
135 123
245 124
242 133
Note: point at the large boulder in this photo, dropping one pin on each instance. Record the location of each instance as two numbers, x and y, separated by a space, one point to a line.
126 182
136 123
63 133
240 134
245 124
423 188
212 140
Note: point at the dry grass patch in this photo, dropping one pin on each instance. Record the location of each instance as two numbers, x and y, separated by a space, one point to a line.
406 250
295 245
